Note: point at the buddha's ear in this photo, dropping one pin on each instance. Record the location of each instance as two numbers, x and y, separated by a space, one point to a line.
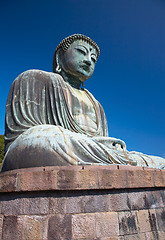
57 61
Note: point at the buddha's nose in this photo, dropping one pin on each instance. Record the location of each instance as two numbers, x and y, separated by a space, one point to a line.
87 60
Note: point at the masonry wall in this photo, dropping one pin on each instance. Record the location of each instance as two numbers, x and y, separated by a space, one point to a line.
89 202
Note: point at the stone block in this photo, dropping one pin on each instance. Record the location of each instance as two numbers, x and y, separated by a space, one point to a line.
162 193
127 223
1 225
67 179
59 227
140 178
57 205
156 199
35 205
160 215
75 204
147 221
88 177
12 228
83 226
135 200
118 202
77 179
96 203
8 182
107 224
159 178
112 179
12 205
161 235
87 203
24 227
155 235
34 227
37 180
144 200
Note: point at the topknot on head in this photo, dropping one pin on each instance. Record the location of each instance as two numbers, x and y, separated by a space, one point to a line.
66 42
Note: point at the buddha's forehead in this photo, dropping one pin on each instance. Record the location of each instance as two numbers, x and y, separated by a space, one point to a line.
84 44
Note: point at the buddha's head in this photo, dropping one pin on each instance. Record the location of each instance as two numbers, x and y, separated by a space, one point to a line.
75 58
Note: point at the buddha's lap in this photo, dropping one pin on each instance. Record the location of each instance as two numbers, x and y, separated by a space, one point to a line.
49 145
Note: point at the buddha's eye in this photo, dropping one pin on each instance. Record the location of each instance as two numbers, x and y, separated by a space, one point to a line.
93 59
82 51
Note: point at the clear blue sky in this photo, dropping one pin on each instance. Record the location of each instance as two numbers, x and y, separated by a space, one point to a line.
129 80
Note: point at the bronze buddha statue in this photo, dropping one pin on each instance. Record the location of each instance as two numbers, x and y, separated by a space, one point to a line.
52 121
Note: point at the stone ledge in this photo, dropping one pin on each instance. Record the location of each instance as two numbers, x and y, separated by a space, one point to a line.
81 178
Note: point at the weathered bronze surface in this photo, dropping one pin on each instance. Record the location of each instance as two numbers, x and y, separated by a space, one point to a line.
52 121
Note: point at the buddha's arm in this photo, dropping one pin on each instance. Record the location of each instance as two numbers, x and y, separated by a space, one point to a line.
31 102
111 142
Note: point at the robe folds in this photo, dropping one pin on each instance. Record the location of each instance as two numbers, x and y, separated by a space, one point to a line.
40 129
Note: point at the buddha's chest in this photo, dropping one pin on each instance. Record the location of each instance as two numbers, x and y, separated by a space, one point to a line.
83 110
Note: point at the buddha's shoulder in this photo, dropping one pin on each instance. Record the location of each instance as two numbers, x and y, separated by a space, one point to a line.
38 75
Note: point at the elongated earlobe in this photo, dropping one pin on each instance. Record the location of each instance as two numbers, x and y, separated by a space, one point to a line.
58 69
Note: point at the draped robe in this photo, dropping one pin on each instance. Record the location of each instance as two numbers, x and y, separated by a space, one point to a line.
40 128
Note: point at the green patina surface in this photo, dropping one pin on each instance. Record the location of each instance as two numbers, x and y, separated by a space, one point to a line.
2 144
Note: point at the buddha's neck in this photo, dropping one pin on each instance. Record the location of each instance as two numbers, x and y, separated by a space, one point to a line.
72 80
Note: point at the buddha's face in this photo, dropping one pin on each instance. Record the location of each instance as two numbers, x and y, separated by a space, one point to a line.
79 60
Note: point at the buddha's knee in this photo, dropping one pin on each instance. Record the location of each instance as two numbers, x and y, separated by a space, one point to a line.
34 148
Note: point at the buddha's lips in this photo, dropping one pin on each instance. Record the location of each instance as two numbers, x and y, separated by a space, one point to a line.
86 67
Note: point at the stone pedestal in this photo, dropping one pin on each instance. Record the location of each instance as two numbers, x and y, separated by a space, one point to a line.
83 202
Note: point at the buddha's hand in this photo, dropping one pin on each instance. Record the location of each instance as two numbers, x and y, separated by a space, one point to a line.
111 142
